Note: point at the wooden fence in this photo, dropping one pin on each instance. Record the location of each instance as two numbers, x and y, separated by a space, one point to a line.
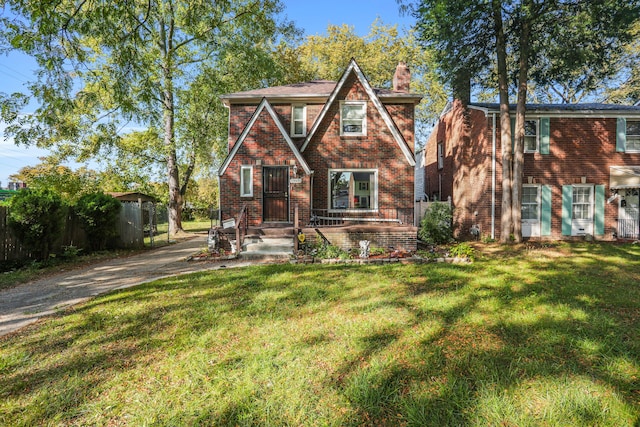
421 207
130 229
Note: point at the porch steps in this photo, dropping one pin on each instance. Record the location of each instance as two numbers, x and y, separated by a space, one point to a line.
267 247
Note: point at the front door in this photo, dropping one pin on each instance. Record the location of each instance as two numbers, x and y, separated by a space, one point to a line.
276 194
629 214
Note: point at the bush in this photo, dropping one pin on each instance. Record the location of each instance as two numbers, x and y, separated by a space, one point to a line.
436 227
98 214
462 250
36 217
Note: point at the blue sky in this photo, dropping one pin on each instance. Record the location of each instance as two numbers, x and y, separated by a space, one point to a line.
311 16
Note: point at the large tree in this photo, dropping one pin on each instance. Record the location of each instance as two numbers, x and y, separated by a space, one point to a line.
517 42
106 64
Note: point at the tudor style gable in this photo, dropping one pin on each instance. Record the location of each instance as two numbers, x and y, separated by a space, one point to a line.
264 125
353 110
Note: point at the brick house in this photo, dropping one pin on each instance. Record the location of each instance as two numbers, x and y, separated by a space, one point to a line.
581 169
339 154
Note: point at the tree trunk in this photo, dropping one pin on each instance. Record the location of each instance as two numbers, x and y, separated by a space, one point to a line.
518 164
505 123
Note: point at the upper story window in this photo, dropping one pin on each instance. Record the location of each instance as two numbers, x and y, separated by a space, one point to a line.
440 155
633 135
531 136
353 118
298 120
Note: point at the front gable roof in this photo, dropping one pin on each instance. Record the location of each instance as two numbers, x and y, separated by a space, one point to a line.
395 132
581 110
264 105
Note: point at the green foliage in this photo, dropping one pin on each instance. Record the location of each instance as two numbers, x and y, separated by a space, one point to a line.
50 174
98 215
436 226
104 65
549 337
36 216
462 250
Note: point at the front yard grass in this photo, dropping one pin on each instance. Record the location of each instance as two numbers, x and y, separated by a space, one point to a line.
545 335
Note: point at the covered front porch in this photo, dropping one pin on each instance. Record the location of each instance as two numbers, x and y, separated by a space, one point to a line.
625 189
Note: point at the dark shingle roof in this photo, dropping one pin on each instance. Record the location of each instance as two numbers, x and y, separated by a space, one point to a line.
311 89
592 107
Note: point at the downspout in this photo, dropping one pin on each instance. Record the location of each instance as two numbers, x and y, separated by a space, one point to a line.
219 201
493 178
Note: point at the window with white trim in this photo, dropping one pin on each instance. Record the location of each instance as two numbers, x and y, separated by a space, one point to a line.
298 120
440 155
353 189
246 181
530 203
353 118
633 135
582 207
531 136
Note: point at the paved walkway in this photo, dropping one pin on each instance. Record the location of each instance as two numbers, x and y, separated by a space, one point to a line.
26 303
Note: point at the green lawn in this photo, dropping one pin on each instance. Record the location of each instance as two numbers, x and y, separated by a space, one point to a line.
521 337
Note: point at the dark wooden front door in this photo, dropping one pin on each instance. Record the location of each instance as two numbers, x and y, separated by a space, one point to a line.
276 194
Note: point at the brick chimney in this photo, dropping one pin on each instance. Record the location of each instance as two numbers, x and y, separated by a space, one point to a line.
402 78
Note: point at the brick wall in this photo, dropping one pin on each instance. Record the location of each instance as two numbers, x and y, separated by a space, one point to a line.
400 238
377 150
327 150
258 154
579 147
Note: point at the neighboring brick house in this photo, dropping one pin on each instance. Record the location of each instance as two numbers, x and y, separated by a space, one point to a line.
341 153
581 169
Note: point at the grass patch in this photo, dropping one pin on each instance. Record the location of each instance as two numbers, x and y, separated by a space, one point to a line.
549 336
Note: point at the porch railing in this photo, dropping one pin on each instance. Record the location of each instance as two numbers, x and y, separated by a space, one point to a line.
390 216
628 229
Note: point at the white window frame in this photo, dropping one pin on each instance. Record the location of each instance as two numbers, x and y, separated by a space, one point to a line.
373 192
583 226
531 227
440 150
303 120
363 104
244 168
537 135
631 138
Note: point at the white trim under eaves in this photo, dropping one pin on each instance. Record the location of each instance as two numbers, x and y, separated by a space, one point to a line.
353 67
264 104
483 109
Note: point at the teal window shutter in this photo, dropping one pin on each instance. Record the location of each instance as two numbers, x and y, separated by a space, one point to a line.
598 226
545 210
621 135
545 132
567 208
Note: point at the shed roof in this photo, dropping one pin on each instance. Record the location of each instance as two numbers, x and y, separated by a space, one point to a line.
132 197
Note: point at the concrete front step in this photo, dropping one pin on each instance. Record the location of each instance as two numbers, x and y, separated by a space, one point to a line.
267 248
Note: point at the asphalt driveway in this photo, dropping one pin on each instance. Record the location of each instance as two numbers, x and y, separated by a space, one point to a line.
28 302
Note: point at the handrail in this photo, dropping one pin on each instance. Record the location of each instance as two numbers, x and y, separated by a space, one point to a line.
242 224
326 218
